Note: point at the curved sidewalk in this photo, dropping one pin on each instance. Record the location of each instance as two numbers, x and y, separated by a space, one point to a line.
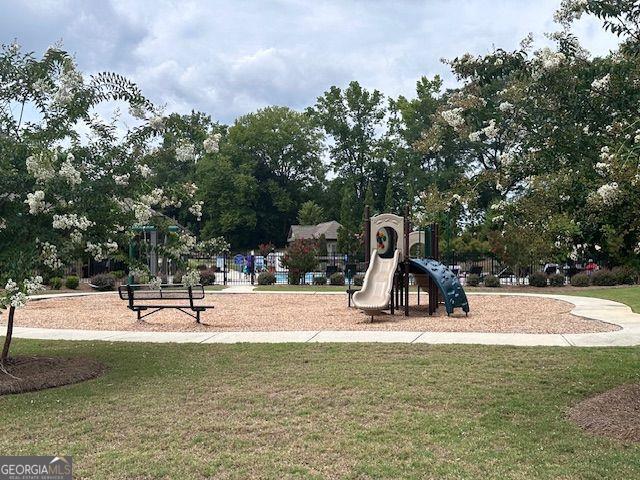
590 308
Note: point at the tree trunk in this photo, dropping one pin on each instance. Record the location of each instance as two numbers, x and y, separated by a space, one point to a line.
7 340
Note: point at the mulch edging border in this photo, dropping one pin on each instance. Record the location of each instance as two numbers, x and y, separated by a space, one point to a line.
36 373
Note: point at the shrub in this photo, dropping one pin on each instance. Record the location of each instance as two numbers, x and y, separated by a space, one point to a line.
103 281
300 258
266 278
177 277
336 278
625 275
118 273
320 280
556 280
358 280
208 276
55 283
202 267
580 280
603 278
491 281
538 279
472 280
72 282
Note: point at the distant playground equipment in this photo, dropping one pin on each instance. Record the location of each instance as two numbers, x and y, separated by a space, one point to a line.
389 243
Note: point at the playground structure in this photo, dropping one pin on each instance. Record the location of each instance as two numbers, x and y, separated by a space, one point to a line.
388 245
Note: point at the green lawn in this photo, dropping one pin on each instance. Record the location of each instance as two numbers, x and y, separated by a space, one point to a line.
324 411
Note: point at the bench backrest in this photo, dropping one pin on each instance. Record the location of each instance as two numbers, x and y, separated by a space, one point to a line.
165 292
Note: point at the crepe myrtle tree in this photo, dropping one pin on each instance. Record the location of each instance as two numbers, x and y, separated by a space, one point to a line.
73 183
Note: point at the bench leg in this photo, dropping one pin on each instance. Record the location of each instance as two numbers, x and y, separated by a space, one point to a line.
139 317
198 316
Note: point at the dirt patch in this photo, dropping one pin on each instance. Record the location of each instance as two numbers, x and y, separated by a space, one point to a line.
275 312
38 373
612 414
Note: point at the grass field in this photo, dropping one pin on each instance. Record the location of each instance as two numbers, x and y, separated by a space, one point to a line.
324 411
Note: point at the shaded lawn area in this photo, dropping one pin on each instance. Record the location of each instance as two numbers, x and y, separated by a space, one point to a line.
324 411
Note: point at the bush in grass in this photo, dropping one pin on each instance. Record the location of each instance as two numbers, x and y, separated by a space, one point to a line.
538 279
320 280
266 278
472 280
491 281
55 283
556 280
72 282
625 275
358 280
580 280
208 276
603 278
336 278
103 281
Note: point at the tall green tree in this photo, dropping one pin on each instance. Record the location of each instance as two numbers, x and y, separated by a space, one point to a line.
310 213
268 165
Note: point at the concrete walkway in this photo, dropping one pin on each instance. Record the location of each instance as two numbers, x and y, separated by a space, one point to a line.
590 308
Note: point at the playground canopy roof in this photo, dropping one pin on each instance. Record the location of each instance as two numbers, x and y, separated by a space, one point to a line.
328 229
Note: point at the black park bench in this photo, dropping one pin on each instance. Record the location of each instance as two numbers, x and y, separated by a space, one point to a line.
142 297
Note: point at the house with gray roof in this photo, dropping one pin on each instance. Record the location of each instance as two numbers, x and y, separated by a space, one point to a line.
328 229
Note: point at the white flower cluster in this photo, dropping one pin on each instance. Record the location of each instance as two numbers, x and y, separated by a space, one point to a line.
196 210
144 170
190 189
137 111
155 283
549 59
49 256
36 202
603 168
491 131
33 285
157 122
191 278
101 251
69 172
505 107
39 167
185 152
142 213
453 117
475 136
601 84
71 220
212 143
69 83
153 198
3 223
122 180
609 193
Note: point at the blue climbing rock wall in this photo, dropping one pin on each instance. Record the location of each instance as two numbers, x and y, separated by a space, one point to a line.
447 282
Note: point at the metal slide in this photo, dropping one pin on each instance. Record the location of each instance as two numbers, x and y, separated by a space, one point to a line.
378 281
445 279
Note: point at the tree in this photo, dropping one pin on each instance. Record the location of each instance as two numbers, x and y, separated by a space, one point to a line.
310 213
300 257
354 119
268 165
65 195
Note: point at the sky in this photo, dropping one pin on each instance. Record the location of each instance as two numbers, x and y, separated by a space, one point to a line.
228 58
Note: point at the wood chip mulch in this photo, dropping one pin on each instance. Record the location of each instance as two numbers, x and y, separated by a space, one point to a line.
277 312
612 414
28 374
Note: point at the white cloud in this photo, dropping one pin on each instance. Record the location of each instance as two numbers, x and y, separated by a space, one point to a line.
228 58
